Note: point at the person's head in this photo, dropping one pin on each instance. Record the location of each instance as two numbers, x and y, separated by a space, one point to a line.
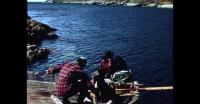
108 55
82 61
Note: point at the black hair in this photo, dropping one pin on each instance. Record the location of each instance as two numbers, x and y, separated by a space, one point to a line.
81 62
107 55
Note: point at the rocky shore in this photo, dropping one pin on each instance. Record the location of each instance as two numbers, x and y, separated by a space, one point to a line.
36 33
145 4
118 2
39 92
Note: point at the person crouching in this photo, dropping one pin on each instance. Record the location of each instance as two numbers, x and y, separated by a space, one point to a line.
71 80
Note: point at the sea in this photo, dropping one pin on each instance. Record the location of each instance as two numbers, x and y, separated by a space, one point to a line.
142 36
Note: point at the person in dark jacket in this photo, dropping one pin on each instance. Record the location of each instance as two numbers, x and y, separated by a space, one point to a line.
118 64
103 91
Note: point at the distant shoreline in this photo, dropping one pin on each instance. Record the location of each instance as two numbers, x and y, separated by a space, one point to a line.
151 5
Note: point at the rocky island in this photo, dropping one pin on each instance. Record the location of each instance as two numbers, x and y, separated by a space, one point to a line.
133 3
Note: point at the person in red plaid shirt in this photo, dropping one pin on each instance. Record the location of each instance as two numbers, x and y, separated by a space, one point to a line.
106 64
104 71
71 80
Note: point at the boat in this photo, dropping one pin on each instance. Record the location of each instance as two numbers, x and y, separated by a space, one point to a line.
128 96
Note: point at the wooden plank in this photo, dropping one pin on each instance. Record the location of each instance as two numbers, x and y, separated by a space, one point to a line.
128 84
157 88
56 100
148 88
129 94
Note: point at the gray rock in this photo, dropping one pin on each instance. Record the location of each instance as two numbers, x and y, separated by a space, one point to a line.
38 53
31 47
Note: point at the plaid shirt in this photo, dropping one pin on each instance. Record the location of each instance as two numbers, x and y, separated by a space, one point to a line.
63 82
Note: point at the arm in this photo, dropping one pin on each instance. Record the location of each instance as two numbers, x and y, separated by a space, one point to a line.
55 69
109 63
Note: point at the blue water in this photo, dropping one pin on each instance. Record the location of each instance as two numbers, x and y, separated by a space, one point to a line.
143 36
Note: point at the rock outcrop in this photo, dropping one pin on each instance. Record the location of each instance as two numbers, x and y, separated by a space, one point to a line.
34 53
36 33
